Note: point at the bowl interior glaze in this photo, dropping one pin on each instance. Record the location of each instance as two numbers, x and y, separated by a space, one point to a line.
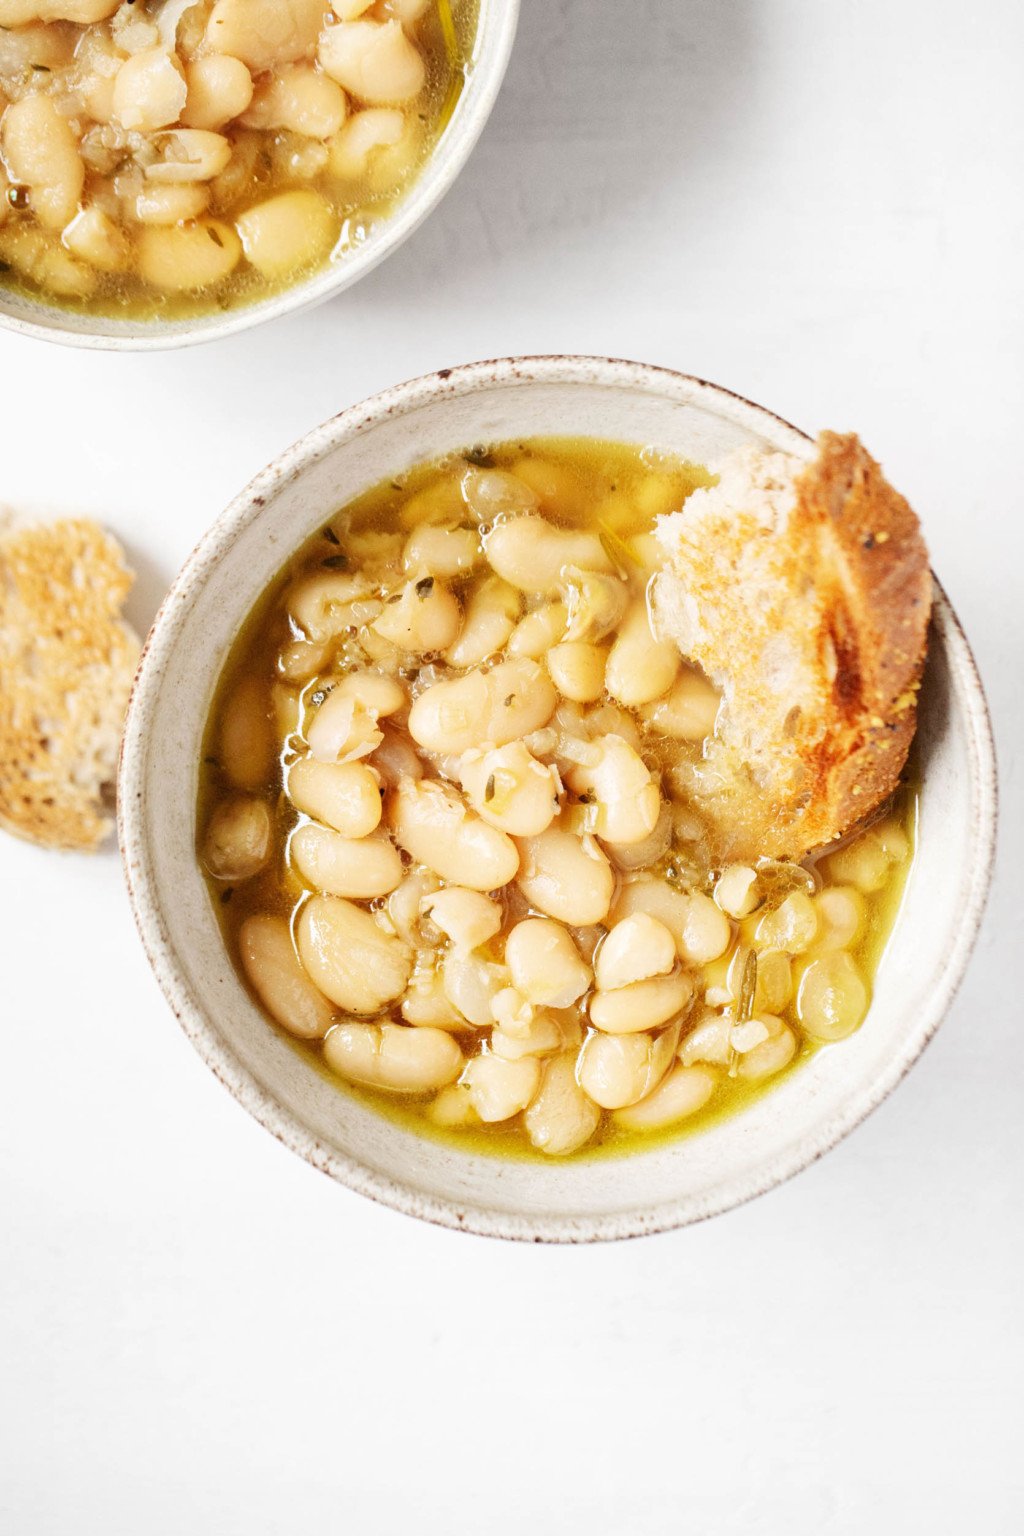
578 1200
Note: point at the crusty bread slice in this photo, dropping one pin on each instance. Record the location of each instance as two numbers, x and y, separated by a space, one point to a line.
803 591
67 659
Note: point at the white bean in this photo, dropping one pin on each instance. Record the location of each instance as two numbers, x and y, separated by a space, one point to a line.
149 90
425 1002
616 1070
863 863
405 909
640 668
774 986
594 603
265 33
364 133
432 824
348 956
378 693
622 787
705 933
189 154
499 1089
94 237
471 984
771 1054
181 258
510 701
349 10
842 914
324 605
443 552
237 842
246 740
300 100
529 552
538 631
393 1056
566 877
577 670
545 964
561 1117
682 1093
491 615
19 13
375 63
452 1108
170 204
493 493
287 231
272 968
792 925
345 724
709 1040
424 616
541 1036
510 789
688 712
833 997
41 153
702 933
286 705
641 1005
634 950
359 867
467 917
737 891
512 1012
649 850
345 796
219 89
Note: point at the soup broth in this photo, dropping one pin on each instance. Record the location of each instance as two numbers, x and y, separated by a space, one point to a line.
444 822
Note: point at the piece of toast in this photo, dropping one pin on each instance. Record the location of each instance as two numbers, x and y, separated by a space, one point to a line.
67 659
803 591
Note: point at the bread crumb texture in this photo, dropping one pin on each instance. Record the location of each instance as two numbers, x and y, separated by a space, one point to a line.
67 659
804 593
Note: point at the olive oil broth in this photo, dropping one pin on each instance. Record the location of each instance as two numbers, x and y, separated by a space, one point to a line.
618 491
40 265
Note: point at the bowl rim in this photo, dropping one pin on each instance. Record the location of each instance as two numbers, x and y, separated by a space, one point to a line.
495 35
247 506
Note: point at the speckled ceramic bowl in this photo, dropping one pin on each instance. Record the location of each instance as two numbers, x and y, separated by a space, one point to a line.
579 1200
495 33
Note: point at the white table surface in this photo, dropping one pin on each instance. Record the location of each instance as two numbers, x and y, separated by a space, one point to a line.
819 205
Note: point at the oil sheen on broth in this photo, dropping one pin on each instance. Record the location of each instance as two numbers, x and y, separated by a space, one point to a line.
168 161
447 743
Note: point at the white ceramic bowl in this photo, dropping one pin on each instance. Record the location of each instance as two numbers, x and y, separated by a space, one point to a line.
493 44
579 1200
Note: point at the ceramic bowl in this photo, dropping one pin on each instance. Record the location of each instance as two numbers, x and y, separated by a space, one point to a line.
583 1199
495 32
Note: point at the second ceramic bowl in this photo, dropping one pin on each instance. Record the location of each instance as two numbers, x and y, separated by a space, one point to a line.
580 1199
495 32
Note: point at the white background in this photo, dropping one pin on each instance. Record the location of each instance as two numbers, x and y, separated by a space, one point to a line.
818 204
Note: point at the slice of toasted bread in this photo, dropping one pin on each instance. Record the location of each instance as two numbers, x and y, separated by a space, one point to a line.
67 659
803 591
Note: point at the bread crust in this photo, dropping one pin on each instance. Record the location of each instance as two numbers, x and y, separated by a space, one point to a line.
813 606
67 660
